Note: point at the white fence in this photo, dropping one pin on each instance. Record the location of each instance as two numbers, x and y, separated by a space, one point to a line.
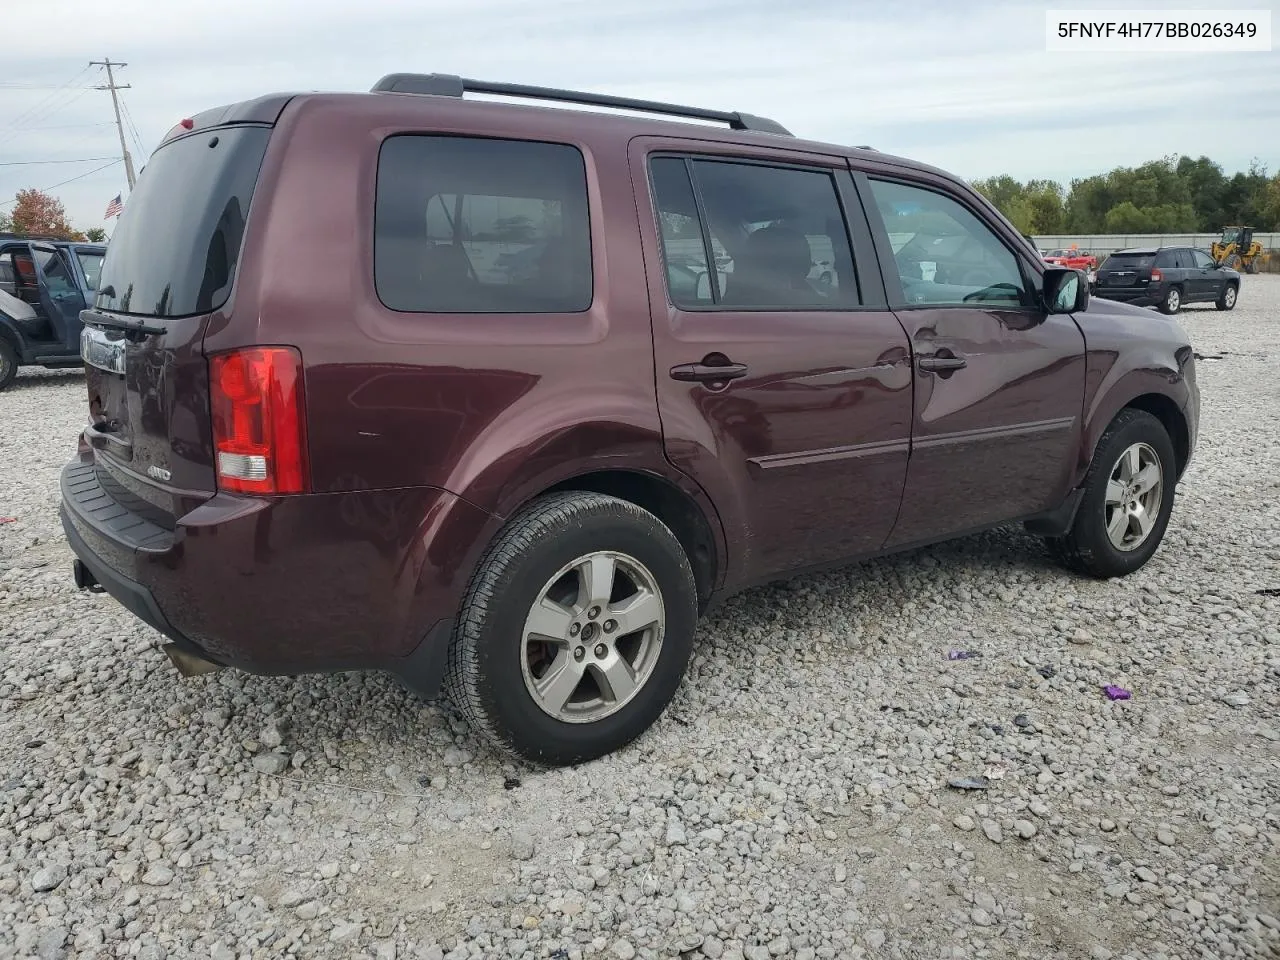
1105 243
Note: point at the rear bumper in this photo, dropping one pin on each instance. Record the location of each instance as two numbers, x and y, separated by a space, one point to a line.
1138 296
317 583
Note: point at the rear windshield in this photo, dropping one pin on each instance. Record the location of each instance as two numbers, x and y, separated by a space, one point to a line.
1129 261
174 252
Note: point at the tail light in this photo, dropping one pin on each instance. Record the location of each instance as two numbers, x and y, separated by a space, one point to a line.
1156 275
259 421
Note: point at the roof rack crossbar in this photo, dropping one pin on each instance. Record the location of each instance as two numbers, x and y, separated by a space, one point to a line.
446 85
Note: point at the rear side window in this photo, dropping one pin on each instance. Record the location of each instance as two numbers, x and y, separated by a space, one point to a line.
175 250
1168 258
91 264
775 236
470 225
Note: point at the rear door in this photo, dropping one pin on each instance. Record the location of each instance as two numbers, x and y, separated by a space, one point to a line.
60 295
783 380
1208 277
999 383
169 268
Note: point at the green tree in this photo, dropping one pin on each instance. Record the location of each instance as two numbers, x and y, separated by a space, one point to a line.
95 235
6 223
1126 218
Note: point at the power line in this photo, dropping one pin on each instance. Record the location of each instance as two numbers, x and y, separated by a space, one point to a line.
43 114
5 203
26 115
133 128
69 126
38 163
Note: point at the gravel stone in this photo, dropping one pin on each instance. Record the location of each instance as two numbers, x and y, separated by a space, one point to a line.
1024 828
48 878
783 806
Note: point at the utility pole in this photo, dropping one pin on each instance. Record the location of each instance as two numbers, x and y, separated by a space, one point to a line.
115 102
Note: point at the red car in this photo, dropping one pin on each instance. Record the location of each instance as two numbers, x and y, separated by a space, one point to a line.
1075 259
500 398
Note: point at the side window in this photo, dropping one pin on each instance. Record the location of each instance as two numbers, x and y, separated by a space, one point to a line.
1167 259
683 248
944 253
774 237
1202 260
91 264
56 273
470 225
778 237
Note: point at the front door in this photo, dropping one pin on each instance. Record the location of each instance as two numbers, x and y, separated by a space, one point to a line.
1208 278
783 380
999 383
60 295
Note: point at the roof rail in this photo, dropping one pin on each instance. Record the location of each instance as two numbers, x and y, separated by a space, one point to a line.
446 85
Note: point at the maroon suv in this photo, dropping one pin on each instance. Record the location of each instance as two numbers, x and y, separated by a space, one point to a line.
499 397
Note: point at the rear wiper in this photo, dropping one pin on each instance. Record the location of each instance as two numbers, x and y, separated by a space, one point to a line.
139 328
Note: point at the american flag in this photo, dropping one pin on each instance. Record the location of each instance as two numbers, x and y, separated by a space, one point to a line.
114 208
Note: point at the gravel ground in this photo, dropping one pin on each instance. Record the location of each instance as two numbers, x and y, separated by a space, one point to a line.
792 803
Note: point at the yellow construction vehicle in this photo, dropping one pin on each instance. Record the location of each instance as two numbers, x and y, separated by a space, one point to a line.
1237 249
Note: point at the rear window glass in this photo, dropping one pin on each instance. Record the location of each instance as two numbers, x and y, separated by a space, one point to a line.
175 250
1129 261
468 225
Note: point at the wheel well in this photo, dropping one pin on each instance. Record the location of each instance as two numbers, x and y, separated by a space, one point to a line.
668 503
1167 412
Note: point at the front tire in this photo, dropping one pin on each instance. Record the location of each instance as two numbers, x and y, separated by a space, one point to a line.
1233 261
575 631
8 363
1227 299
1172 301
1128 498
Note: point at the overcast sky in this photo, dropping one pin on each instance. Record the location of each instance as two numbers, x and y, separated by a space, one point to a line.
965 85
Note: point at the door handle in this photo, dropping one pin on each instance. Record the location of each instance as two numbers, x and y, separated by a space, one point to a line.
708 373
944 361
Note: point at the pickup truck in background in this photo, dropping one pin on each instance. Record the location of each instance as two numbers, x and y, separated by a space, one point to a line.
44 284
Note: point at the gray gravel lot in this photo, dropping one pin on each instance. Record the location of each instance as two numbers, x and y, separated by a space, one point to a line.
793 802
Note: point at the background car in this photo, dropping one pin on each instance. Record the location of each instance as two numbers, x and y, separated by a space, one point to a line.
1167 277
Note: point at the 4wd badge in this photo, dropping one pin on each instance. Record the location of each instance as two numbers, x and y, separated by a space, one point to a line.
158 473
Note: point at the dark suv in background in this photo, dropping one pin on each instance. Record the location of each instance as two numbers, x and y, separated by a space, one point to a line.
531 388
1167 277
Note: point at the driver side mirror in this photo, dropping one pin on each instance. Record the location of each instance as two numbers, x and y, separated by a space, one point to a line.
1065 290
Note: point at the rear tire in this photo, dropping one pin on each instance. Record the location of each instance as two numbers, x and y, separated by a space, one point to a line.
1227 299
1251 266
1107 537
1172 301
8 363
554 668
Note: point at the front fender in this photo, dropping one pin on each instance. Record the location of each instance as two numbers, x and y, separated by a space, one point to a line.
1131 353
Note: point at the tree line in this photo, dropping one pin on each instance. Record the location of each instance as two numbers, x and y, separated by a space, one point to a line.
1171 195
37 214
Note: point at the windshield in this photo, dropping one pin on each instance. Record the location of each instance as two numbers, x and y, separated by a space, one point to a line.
91 264
175 250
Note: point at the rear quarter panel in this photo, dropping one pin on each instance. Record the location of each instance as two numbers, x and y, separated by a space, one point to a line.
492 408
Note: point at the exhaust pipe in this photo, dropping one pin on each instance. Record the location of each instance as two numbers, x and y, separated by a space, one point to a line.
84 577
188 664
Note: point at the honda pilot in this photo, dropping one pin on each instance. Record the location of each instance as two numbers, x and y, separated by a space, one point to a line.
500 397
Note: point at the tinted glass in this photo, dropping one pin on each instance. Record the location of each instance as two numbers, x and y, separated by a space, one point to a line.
91 264
1202 259
1129 261
777 235
57 273
465 225
175 250
944 253
688 276
1167 258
